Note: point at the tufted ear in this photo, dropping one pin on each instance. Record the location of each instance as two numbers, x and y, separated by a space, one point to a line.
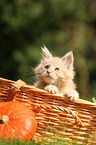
45 53
68 60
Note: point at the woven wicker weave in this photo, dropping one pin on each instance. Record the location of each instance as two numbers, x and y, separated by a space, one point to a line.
74 119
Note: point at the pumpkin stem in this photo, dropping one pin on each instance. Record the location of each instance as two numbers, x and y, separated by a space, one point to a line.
4 119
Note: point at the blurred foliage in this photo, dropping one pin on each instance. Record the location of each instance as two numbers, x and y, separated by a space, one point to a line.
62 25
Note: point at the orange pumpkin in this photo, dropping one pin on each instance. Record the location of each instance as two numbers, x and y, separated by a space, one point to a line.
17 120
1 103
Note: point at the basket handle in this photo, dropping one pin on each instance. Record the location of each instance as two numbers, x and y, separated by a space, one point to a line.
68 110
74 115
14 89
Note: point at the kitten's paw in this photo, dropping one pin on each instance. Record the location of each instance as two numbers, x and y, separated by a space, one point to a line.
72 94
52 89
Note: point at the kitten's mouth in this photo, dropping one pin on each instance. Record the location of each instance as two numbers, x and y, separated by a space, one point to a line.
49 79
48 76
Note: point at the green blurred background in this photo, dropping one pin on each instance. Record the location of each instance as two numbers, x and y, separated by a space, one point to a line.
62 25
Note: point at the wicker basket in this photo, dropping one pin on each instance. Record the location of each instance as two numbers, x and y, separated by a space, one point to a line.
74 119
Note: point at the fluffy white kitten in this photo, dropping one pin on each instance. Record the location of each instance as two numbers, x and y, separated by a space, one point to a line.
56 75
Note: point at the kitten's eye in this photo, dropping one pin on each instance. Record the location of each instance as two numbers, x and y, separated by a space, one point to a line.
57 69
47 66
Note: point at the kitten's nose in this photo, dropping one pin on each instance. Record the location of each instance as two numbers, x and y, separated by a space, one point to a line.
48 72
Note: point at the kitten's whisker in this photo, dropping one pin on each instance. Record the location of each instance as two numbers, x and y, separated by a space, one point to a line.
38 75
31 80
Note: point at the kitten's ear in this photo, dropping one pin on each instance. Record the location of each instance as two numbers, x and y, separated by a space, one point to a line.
68 60
45 53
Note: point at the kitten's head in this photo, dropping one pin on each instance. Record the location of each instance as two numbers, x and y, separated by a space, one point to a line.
53 69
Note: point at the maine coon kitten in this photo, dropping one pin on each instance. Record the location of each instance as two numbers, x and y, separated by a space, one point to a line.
56 75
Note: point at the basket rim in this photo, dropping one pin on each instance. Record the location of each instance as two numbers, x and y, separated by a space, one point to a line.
82 101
